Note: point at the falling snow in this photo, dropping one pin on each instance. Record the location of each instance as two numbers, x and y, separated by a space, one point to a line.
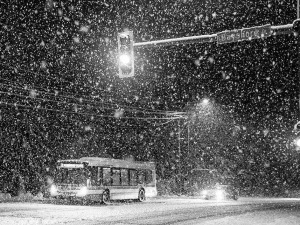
61 96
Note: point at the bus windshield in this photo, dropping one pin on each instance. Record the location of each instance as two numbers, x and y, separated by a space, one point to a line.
71 176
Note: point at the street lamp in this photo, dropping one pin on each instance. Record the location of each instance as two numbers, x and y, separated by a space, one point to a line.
205 101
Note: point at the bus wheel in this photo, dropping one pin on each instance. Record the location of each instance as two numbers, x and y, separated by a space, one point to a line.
105 197
142 195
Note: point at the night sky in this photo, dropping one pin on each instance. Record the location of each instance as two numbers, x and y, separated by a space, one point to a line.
61 96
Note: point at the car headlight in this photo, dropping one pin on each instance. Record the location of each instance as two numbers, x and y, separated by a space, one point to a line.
219 194
53 190
82 192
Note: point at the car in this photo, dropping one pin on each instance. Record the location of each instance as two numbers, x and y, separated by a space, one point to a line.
220 192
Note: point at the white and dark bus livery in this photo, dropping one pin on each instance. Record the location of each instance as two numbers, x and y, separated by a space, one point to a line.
104 179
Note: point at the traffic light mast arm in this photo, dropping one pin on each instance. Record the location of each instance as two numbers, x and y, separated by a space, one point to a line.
275 30
282 29
126 45
172 41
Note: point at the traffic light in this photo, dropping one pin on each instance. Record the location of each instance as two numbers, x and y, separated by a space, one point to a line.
125 54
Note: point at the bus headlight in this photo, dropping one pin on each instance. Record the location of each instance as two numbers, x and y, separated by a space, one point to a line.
82 192
219 195
204 192
53 190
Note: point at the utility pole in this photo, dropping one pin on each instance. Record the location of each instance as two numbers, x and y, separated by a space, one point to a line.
298 46
298 6
181 186
189 137
179 156
296 27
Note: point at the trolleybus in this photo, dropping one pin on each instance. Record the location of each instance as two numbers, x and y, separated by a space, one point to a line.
104 179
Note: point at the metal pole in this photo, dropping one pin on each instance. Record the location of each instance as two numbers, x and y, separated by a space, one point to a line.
208 38
298 48
179 156
179 147
297 30
298 14
188 138
179 150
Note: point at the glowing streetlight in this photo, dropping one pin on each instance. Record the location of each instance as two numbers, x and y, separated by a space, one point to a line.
205 101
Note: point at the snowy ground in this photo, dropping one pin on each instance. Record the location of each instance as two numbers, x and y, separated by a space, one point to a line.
187 211
268 217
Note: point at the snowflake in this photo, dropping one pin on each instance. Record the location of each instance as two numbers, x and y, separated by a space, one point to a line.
84 29
76 39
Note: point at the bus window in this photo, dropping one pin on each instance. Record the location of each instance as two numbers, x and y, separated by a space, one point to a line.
149 177
116 175
99 176
141 176
93 176
124 177
132 177
106 176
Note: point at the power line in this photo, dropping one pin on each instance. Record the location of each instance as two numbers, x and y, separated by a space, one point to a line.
46 91
71 97
29 71
147 111
78 104
86 114
137 109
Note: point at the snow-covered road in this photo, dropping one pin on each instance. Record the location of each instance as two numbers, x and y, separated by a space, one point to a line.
185 211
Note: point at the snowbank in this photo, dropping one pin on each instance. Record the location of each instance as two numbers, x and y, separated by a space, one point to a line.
5 197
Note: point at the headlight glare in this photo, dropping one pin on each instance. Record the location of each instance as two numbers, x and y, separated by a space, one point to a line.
82 192
53 190
219 195
204 192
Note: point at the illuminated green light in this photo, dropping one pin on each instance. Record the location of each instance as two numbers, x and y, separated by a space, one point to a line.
125 59
297 142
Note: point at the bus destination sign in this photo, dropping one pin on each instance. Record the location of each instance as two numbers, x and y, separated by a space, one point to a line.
244 34
69 165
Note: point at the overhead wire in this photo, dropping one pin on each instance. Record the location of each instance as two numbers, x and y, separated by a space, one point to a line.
94 103
84 98
66 96
163 111
86 114
46 91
